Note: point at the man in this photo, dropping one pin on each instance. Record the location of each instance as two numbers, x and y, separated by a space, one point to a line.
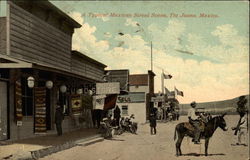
152 120
242 128
59 116
193 119
117 115
242 105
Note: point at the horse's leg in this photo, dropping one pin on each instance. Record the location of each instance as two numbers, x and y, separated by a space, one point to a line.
206 145
181 138
178 144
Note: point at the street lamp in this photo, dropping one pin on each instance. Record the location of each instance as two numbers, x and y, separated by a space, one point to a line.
31 82
63 88
49 84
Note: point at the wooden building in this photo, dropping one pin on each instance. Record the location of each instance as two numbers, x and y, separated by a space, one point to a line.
36 41
137 101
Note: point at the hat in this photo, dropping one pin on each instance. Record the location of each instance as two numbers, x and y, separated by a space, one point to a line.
193 103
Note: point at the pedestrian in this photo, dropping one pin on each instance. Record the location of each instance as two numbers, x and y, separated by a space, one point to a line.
117 115
242 128
194 121
59 116
152 120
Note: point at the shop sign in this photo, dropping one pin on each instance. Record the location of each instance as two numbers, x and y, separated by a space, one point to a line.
19 123
157 99
108 88
88 87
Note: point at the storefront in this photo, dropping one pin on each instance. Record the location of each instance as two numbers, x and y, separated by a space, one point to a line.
38 69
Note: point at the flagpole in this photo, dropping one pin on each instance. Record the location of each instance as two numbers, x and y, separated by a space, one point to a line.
151 56
162 82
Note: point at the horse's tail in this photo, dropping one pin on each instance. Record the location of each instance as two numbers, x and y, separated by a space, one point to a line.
175 133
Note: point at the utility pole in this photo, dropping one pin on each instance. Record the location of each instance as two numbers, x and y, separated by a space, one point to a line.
162 82
151 56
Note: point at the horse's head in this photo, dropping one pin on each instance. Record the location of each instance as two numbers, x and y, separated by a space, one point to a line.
221 122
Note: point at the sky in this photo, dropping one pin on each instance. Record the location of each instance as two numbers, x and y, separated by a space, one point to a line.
208 55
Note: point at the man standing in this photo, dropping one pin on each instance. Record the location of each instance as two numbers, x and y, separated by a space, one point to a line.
117 115
193 119
152 120
242 128
58 119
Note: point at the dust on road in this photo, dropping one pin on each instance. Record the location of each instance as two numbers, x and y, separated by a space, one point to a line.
159 147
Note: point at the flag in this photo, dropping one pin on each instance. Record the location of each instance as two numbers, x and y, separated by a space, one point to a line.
110 101
180 93
166 76
167 91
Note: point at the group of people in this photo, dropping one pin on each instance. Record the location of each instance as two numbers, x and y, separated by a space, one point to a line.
167 113
193 119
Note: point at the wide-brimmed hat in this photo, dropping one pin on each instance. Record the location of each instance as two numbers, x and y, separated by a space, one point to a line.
193 103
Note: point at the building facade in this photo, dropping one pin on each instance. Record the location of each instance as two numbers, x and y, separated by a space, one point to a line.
137 102
36 42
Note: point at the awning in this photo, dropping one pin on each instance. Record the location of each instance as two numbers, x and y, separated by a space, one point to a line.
8 62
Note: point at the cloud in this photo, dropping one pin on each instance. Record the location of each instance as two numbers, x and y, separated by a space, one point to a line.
167 37
84 39
130 22
200 80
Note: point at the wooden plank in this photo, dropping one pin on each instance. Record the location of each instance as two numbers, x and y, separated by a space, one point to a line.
39 44
20 38
16 9
31 58
36 54
40 32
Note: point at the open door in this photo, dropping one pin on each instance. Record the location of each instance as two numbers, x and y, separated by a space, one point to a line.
3 111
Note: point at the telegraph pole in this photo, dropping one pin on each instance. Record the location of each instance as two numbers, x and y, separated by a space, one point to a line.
151 56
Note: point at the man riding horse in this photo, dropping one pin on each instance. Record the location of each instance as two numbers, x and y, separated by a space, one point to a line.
195 122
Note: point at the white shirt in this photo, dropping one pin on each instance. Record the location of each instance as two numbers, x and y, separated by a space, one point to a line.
244 121
191 114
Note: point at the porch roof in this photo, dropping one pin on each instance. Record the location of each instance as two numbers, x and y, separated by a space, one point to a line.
10 62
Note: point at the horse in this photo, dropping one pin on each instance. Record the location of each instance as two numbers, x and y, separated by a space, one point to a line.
182 130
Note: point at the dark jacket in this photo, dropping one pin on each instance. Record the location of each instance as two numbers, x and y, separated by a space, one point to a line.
59 115
152 117
117 112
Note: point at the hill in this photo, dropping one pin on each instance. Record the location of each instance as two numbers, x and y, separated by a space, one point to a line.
216 107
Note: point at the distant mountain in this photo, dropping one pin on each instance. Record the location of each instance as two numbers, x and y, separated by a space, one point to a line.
216 107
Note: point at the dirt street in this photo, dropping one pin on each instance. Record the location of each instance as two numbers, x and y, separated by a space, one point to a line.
159 147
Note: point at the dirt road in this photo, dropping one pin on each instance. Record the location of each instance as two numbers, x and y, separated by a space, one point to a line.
159 147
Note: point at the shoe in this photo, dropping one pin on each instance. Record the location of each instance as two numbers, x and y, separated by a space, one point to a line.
237 143
196 142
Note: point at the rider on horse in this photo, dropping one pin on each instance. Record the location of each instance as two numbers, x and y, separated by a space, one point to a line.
194 121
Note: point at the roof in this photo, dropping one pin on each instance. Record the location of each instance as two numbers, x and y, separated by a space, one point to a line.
50 7
138 79
77 53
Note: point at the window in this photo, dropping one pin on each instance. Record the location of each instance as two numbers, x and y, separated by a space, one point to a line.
124 110
27 98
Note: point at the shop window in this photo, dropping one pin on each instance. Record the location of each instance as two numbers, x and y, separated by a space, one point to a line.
27 98
124 110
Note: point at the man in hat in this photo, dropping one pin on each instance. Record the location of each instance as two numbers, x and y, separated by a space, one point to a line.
193 119
59 116
117 115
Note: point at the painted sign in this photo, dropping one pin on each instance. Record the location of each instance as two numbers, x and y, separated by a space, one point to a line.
108 88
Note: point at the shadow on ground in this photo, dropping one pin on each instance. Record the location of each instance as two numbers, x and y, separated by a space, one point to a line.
197 155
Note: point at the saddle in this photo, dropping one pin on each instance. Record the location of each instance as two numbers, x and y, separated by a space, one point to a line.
191 127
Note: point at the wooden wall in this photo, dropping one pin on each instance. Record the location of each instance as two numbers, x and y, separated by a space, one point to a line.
3 35
34 40
82 67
